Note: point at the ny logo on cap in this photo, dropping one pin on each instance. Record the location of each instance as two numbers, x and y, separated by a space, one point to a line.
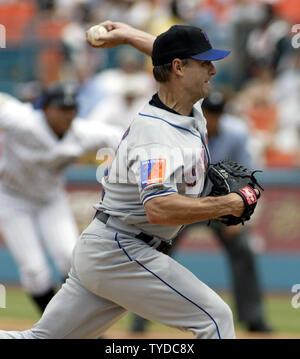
205 35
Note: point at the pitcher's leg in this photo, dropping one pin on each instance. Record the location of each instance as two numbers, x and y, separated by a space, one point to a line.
73 313
151 284
177 298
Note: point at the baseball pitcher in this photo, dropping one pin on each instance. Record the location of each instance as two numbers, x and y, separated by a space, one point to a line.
153 187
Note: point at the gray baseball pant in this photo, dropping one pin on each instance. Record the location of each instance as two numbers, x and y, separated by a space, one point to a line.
113 273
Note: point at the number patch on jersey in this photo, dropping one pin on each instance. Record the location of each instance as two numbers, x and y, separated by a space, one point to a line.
153 171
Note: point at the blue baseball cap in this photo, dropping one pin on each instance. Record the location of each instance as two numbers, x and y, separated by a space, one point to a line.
184 41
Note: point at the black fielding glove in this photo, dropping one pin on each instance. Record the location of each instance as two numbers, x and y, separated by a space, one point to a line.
229 177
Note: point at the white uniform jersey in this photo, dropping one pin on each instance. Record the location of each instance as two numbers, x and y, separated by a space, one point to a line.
161 153
33 157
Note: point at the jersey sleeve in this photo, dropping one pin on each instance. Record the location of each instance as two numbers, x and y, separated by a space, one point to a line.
156 170
92 135
81 138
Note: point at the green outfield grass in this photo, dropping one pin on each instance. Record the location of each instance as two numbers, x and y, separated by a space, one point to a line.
282 316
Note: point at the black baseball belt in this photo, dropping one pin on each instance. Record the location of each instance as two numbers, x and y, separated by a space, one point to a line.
163 247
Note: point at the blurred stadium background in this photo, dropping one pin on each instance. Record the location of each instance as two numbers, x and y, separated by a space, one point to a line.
45 42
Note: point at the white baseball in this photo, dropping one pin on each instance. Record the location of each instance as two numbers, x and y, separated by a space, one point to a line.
94 32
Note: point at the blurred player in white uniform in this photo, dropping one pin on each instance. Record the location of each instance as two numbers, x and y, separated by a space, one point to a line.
37 146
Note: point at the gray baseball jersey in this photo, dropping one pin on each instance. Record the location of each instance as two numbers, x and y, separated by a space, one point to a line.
161 153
